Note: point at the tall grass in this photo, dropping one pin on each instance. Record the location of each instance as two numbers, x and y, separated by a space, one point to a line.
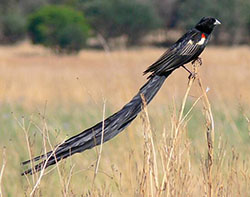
165 168
169 151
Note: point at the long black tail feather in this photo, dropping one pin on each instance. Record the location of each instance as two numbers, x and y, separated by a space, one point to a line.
113 125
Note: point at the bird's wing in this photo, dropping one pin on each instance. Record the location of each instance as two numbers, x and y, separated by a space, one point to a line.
180 53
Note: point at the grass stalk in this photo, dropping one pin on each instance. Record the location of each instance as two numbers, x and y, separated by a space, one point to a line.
177 129
4 161
209 137
101 145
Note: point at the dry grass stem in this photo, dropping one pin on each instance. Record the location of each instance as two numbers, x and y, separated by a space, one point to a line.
176 128
210 137
149 180
32 193
4 161
100 151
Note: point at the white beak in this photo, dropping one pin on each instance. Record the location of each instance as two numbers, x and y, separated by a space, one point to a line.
217 22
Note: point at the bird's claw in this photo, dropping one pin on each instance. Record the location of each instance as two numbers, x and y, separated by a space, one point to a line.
198 59
192 75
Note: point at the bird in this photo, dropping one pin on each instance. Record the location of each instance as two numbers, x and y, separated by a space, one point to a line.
185 50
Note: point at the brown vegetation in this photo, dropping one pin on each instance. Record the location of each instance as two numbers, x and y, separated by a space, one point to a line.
95 74
155 156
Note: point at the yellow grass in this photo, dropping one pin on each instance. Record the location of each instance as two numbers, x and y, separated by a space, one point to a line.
30 74
155 156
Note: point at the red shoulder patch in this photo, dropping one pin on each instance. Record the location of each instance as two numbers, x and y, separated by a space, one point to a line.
203 36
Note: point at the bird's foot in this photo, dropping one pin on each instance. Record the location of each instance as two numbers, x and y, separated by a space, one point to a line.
198 59
192 75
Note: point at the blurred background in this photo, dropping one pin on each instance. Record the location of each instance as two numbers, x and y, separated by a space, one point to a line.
61 60
66 26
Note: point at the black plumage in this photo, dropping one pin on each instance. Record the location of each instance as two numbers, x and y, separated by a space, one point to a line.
113 125
186 49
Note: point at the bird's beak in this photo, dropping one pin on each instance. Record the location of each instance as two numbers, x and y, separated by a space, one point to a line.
217 22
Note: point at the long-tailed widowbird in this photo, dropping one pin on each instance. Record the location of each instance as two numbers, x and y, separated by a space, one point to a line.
185 50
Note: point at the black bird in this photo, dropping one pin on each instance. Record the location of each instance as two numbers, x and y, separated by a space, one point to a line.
185 50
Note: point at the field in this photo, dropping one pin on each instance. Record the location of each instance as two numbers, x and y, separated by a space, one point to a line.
41 93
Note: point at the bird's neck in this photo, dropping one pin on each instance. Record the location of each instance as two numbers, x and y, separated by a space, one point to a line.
205 30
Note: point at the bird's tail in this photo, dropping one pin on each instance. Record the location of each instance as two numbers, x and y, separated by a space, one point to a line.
113 125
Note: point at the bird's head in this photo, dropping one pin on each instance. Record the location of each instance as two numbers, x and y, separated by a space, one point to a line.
207 24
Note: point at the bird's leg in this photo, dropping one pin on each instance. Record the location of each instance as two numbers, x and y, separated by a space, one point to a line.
192 74
198 59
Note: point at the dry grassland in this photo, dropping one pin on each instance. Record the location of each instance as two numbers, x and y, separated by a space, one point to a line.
156 156
31 74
